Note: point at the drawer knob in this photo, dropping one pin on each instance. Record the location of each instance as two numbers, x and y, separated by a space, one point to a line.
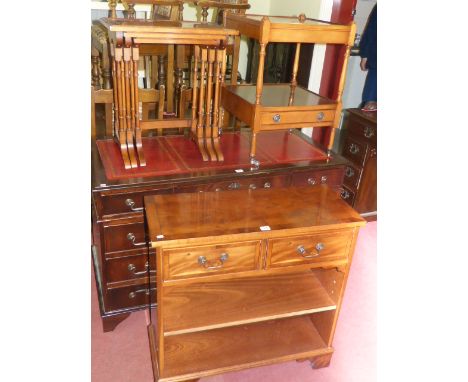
276 118
131 204
252 186
234 186
368 132
131 237
345 194
132 268
349 172
267 185
213 264
323 179
145 291
311 181
320 116
307 254
353 148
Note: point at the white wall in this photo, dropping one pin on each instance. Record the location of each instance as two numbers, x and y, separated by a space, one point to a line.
311 8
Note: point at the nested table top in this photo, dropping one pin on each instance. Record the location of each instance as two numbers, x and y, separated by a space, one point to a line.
200 215
280 95
290 29
140 28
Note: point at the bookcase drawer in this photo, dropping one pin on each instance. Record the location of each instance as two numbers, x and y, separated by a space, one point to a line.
211 259
305 249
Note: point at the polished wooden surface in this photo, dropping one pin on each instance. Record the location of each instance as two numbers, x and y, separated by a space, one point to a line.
262 277
203 305
202 215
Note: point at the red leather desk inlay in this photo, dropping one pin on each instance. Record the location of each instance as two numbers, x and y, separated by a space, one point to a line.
175 154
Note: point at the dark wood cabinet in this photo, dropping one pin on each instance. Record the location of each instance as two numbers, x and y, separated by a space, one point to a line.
360 147
120 249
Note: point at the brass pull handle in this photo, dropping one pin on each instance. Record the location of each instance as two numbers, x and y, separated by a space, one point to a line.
306 254
252 186
267 185
276 118
131 237
234 186
320 116
323 179
131 269
217 189
368 132
353 149
349 172
131 204
311 181
215 264
145 291
345 194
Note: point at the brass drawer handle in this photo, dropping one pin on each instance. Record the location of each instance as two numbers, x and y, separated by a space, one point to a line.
276 118
345 194
349 172
323 179
131 204
368 132
320 116
353 148
252 186
234 186
132 267
267 185
145 291
306 254
215 264
311 181
131 237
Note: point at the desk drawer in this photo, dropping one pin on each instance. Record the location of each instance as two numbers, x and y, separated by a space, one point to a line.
117 203
299 117
348 195
351 176
252 183
211 259
306 249
130 267
355 151
134 296
331 177
124 237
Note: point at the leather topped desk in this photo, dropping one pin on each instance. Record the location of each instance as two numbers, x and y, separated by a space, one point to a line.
119 244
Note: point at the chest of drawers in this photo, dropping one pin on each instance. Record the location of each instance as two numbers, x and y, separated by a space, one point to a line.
120 252
247 278
360 147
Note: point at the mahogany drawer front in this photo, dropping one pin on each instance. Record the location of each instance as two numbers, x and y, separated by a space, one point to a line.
348 195
130 267
332 177
252 183
306 249
128 202
306 116
211 259
351 176
124 237
365 131
355 151
134 296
